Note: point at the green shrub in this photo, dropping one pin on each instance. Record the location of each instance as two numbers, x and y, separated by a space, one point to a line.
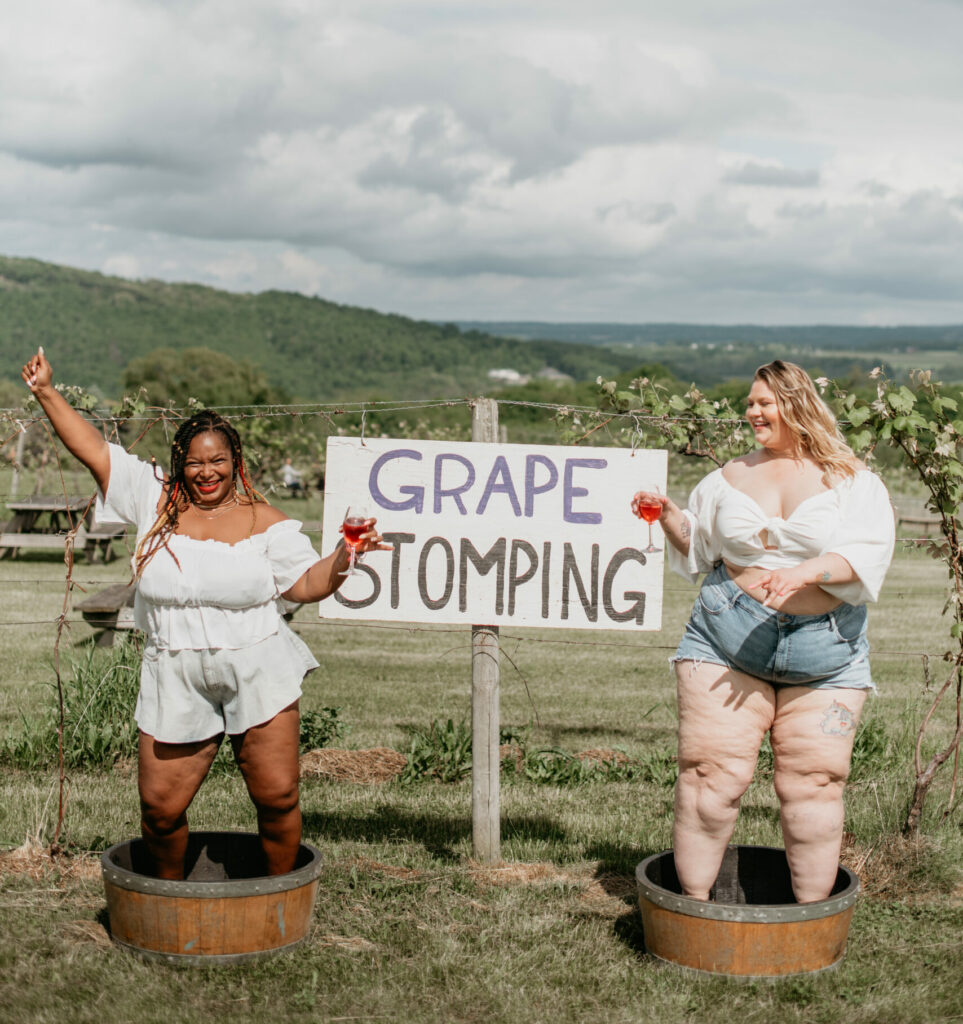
320 728
443 752
99 692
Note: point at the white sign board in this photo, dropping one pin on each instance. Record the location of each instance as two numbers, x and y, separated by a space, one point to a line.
498 534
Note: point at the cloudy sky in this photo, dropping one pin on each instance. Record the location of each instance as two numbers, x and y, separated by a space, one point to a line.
766 161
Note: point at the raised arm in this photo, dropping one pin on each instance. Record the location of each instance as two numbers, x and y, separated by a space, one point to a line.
83 439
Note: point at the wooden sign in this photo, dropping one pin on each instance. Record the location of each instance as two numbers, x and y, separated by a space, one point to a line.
504 534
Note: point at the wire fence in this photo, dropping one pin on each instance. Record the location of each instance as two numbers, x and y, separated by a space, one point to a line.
20 421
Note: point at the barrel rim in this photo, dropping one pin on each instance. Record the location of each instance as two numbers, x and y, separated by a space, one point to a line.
758 913
739 979
206 959
133 881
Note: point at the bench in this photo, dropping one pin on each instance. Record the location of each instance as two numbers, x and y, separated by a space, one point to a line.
924 523
100 541
41 522
112 609
109 610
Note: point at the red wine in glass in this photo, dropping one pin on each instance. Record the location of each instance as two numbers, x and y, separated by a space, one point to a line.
650 512
353 527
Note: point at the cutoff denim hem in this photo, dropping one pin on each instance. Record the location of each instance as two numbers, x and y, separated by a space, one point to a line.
728 627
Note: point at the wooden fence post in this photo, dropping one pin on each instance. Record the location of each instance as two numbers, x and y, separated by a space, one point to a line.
18 463
485 782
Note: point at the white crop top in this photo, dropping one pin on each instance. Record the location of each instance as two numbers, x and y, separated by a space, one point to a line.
221 595
854 519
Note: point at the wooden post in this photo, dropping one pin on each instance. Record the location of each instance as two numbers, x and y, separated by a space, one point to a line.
485 823
18 463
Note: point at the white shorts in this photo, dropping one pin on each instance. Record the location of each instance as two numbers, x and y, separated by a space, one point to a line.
188 696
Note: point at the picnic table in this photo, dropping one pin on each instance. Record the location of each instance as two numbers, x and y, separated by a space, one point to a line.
109 611
43 520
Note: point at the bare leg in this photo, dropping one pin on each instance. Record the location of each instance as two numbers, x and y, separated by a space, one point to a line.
812 743
268 759
168 778
723 716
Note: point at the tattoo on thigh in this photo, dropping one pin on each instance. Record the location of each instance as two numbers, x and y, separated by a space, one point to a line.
838 720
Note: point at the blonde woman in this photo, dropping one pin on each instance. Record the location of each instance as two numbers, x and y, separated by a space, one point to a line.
794 539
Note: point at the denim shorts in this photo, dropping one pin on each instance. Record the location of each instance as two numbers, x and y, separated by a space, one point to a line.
728 627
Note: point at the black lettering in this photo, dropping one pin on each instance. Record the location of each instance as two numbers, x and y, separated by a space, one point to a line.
546 579
514 580
396 540
366 601
495 556
423 573
637 609
570 571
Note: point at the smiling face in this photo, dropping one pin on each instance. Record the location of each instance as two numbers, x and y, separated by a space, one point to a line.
762 412
209 469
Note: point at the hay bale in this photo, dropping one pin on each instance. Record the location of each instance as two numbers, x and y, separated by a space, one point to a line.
380 764
41 863
602 756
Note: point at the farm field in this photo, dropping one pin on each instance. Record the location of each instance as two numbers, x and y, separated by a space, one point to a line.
406 926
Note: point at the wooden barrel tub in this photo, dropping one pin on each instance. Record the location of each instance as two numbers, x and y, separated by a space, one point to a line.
752 926
225 911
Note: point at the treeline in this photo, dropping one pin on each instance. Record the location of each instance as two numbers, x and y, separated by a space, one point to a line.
93 326
709 354
947 337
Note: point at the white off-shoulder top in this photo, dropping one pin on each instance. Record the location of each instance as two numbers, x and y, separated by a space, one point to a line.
853 519
219 595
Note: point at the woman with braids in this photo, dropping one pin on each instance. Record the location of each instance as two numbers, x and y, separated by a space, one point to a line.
794 539
213 561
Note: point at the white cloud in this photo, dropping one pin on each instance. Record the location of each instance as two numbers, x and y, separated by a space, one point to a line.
771 176
623 161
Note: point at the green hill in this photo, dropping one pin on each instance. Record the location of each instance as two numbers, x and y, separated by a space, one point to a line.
92 325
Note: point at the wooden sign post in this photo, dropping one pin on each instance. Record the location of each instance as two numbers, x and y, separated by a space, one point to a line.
485 533
485 726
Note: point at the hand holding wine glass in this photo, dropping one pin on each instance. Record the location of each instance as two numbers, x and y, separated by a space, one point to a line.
649 505
356 521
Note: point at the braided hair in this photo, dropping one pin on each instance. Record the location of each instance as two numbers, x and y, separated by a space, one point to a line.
205 421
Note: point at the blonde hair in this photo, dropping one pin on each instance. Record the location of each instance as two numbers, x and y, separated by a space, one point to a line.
809 420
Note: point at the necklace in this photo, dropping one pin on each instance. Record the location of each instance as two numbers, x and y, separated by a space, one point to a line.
214 511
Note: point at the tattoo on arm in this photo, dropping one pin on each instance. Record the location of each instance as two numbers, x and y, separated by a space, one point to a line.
685 529
826 577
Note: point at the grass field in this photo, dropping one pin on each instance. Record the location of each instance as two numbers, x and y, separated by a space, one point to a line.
406 926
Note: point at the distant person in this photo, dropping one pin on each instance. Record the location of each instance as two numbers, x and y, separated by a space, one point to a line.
317 473
794 539
291 478
211 561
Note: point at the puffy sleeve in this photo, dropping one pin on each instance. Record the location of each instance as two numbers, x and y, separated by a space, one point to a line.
133 491
705 546
289 552
865 537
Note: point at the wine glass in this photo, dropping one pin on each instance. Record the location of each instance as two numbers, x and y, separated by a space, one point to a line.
650 511
353 527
